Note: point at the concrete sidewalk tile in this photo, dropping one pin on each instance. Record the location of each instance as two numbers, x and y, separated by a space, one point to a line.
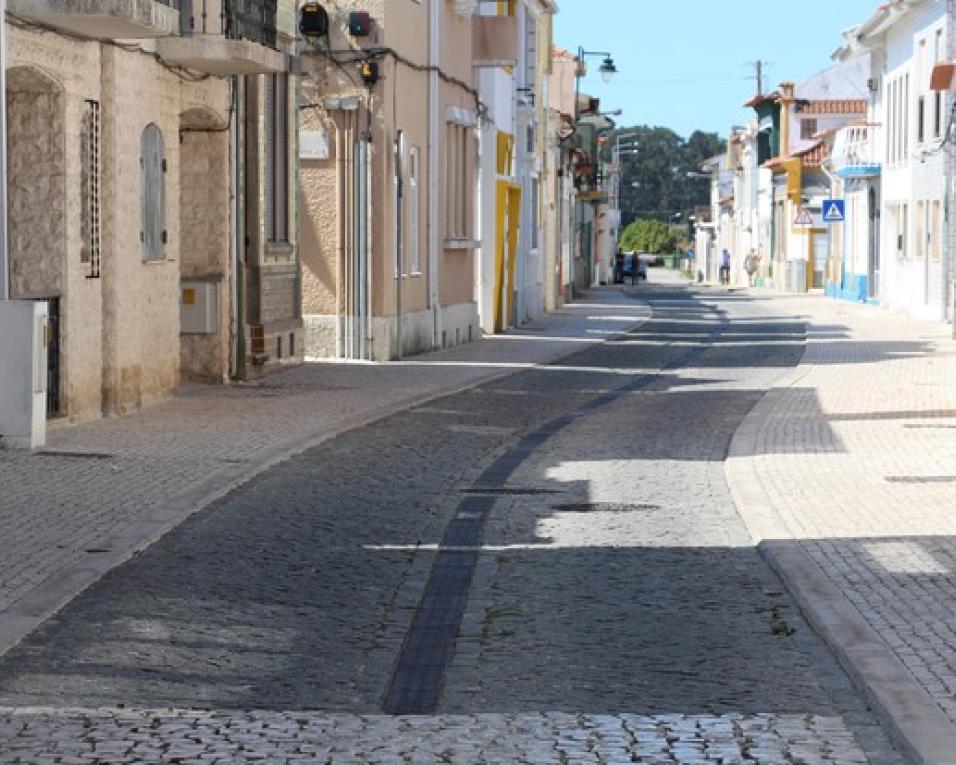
841 475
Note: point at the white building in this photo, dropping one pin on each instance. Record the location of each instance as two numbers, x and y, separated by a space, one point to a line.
512 83
911 271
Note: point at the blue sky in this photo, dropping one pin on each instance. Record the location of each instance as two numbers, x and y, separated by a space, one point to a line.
683 64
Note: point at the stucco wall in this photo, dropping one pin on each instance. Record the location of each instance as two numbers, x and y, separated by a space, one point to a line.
120 341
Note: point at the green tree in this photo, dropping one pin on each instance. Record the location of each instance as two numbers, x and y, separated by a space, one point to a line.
648 236
654 182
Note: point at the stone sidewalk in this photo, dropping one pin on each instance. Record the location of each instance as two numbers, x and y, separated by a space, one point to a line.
102 491
846 475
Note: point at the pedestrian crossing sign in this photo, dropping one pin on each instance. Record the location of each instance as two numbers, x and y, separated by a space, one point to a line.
803 217
834 210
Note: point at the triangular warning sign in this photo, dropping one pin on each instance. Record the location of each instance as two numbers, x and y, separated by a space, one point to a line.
804 218
833 213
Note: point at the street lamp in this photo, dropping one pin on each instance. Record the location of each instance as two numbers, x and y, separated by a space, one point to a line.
608 69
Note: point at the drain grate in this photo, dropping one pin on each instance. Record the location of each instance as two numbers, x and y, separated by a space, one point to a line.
604 507
921 478
509 491
75 455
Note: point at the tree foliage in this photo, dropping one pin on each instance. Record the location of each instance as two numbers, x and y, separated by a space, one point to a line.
654 182
648 236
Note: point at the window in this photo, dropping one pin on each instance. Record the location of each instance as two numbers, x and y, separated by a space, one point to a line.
906 117
937 114
920 119
458 182
414 212
152 162
808 129
921 233
277 158
934 229
90 188
900 214
535 201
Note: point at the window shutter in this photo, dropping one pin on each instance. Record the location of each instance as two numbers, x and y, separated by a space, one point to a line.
269 185
282 158
152 194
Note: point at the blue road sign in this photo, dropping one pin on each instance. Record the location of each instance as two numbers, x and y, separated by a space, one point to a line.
834 210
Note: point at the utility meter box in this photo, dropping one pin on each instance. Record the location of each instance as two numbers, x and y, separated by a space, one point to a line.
24 337
199 300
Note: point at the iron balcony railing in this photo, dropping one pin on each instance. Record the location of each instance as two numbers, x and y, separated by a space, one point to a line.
253 20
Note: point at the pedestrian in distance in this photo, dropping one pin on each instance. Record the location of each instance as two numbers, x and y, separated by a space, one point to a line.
750 266
725 266
619 266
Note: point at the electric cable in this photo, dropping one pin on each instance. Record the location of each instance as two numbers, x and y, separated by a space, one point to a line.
183 73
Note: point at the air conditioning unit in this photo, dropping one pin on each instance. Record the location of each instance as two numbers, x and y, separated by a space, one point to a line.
199 301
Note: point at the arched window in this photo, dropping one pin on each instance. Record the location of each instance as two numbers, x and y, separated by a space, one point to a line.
152 163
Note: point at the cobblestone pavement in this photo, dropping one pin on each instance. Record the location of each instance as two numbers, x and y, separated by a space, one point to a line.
616 612
104 489
856 451
121 736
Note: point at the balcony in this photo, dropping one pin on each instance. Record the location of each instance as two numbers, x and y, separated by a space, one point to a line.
110 19
855 152
227 37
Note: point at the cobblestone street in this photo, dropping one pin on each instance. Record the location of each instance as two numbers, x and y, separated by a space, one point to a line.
546 567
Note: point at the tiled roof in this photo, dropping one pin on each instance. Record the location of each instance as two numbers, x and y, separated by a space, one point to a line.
815 155
832 106
761 98
560 54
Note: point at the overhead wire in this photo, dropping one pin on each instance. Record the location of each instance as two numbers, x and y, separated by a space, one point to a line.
182 72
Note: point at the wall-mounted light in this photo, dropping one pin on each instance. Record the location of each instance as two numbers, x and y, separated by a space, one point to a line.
313 20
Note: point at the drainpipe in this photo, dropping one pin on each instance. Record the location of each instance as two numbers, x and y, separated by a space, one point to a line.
4 252
399 234
434 50
238 296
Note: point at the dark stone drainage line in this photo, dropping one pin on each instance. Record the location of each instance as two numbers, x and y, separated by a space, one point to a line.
416 683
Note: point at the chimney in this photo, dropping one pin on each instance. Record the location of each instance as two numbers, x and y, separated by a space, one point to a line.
786 112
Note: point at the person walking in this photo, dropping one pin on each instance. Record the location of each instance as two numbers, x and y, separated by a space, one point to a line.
725 266
750 266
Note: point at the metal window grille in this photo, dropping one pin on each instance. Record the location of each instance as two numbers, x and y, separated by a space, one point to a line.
251 20
90 252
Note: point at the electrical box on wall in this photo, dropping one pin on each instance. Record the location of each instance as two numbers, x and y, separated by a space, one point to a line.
200 307
360 24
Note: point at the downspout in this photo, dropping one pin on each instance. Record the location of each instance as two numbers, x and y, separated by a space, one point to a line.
341 229
4 252
434 50
399 237
367 244
238 293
